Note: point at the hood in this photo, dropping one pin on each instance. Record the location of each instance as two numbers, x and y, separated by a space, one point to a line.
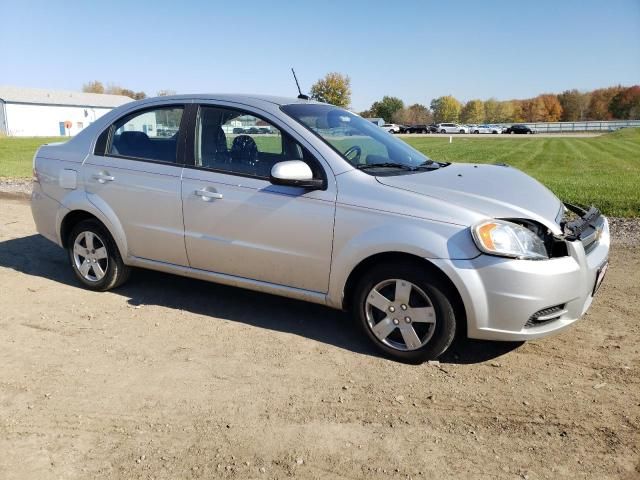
494 191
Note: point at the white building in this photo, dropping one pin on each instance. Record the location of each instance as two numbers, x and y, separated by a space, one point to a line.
34 112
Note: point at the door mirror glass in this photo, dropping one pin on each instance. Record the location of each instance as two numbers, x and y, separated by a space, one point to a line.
294 173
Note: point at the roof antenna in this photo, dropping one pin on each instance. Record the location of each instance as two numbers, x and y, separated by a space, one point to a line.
301 95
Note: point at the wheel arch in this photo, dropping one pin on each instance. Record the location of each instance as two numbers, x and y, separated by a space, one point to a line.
403 257
73 217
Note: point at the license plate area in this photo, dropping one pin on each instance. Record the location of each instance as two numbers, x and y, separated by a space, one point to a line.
602 271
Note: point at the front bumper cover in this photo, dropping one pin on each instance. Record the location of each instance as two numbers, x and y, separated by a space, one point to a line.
501 294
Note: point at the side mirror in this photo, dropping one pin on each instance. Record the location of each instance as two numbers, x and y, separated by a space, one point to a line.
294 173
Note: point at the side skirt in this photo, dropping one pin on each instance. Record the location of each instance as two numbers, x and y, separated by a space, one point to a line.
249 284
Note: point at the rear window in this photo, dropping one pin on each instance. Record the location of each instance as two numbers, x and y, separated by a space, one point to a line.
148 135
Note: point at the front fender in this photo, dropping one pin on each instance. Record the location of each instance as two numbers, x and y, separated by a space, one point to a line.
390 233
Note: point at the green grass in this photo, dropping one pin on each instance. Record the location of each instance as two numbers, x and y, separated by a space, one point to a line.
603 171
16 154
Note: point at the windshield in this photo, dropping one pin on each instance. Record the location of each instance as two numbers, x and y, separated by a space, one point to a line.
360 142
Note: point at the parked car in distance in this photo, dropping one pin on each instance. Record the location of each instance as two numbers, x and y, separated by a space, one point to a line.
391 127
451 128
494 129
520 129
415 249
419 128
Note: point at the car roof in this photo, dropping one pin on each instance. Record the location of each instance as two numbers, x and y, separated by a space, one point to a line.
235 97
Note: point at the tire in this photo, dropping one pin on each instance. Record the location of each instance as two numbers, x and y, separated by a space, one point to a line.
90 243
424 131
462 131
477 132
512 132
430 302
443 131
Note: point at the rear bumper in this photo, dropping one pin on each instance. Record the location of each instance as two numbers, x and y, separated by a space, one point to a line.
45 211
501 295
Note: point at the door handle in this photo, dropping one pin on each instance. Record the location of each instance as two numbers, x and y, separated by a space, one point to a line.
207 195
103 177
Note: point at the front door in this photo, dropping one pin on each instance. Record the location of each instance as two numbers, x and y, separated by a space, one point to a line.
136 179
236 222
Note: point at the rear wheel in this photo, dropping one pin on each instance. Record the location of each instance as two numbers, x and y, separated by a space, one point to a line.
405 312
95 258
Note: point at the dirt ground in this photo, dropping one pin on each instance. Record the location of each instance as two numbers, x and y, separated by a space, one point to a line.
171 378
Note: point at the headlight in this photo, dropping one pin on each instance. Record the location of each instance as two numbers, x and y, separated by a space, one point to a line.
506 239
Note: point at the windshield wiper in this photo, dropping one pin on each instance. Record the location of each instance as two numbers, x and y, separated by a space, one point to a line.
365 166
428 165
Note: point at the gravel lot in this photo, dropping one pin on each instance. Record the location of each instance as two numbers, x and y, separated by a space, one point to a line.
174 378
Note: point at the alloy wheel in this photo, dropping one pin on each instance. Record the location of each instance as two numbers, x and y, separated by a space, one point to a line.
90 256
400 314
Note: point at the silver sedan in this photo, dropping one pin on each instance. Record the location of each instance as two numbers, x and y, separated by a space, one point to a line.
309 201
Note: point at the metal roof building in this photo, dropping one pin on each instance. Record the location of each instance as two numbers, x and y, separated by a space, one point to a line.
35 112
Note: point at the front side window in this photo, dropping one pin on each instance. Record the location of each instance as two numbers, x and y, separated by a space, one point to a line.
363 144
241 143
148 135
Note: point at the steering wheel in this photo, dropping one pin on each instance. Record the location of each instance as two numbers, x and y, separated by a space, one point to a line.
351 150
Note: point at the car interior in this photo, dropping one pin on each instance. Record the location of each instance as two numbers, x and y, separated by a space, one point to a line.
140 135
253 153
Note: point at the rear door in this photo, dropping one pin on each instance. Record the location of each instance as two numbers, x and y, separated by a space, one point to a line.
236 222
134 176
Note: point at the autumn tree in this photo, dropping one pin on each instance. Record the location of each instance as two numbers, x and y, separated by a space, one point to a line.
165 93
445 109
491 110
472 112
574 105
415 114
93 87
386 108
334 88
551 109
626 104
600 101
115 89
518 108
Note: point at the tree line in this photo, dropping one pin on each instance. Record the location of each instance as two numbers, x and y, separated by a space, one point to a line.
610 103
97 86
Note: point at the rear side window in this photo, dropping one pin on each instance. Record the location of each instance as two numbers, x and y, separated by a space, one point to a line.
148 135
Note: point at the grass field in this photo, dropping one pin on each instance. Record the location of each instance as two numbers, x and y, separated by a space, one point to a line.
16 154
604 171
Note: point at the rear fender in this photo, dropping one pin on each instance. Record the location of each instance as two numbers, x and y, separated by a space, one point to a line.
79 200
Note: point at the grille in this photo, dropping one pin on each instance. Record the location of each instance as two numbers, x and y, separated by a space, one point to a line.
545 315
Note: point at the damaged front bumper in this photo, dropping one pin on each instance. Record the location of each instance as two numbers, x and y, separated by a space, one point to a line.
510 299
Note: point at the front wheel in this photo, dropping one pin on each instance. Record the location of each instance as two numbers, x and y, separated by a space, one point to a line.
405 312
95 258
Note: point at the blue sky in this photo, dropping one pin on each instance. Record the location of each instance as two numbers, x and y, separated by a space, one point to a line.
417 50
